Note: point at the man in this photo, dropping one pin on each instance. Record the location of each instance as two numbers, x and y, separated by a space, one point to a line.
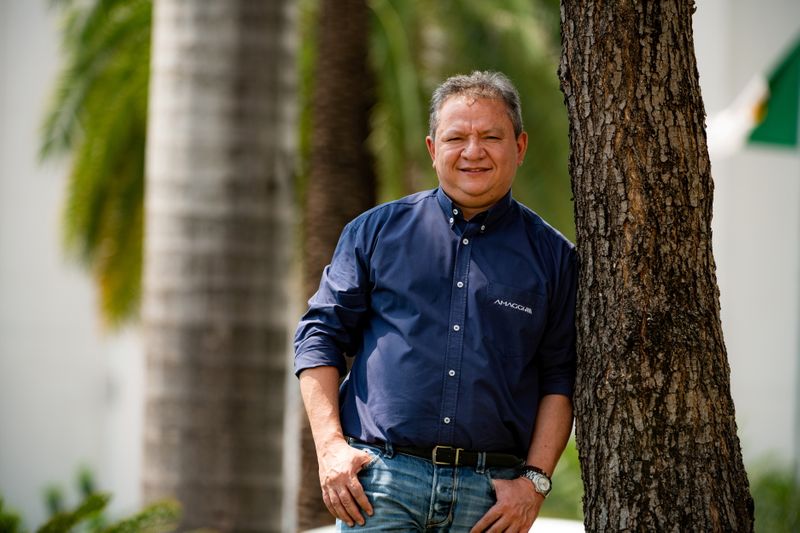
457 306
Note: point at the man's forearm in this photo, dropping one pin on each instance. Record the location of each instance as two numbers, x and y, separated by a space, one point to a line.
550 436
518 502
339 463
319 388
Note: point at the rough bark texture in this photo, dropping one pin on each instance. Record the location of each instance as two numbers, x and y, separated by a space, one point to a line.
217 252
341 178
655 420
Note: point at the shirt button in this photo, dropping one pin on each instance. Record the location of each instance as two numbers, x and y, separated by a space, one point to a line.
447 420
452 220
460 284
456 327
455 211
451 373
465 241
483 228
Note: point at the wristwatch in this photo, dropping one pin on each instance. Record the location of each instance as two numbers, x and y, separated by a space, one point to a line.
541 481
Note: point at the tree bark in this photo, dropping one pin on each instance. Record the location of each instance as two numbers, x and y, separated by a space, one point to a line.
654 416
341 181
217 250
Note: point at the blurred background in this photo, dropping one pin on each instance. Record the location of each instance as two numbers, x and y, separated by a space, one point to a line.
71 352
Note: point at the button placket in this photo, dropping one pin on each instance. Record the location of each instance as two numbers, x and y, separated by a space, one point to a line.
455 344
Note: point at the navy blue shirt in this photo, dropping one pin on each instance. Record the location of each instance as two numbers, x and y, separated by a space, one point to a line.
457 327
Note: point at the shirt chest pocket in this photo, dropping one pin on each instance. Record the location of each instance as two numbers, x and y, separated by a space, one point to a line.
512 320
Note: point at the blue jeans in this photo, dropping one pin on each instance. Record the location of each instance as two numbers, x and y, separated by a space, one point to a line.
412 494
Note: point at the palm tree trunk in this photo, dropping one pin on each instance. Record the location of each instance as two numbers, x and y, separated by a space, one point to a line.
341 178
654 416
218 218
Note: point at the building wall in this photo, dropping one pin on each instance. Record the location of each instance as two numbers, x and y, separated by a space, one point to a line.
756 226
66 386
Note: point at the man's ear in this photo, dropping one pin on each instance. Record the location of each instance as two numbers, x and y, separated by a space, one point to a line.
522 146
431 145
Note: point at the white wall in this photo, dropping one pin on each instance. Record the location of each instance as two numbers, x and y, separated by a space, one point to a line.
65 387
756 226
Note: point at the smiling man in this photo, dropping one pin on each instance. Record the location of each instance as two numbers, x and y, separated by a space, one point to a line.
457 306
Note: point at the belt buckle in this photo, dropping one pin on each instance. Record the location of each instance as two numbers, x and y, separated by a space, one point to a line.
436 461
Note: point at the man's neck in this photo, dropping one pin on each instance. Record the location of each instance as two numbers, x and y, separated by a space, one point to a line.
469 213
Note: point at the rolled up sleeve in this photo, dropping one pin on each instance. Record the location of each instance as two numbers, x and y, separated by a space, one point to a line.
330 329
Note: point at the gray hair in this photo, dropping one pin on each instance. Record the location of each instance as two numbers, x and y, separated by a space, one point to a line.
479 84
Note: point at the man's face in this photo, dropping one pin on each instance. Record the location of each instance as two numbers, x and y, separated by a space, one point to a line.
475 153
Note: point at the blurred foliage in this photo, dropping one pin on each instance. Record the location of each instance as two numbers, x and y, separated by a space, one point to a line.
10 521
776 491
98 113
88 516
91 506
566 499
89 510
97 116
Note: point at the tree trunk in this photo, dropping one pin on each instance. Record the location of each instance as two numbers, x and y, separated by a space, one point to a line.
218 210
341 181
654 415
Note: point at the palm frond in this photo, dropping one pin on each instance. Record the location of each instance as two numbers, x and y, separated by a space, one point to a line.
98 115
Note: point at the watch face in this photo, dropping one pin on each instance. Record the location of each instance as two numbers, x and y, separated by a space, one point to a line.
542 484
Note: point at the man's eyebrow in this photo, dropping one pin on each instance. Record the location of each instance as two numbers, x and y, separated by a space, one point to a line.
452 131
455 130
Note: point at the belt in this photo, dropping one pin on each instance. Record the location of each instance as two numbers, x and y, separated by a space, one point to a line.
451 456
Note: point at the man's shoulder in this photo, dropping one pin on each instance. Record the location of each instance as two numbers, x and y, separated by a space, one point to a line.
539 228
386 211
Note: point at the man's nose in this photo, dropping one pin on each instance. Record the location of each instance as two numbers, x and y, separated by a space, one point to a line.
473 149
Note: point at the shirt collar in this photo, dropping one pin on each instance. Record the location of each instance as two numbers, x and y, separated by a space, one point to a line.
490 216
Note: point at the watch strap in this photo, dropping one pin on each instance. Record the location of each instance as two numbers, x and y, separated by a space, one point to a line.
535 475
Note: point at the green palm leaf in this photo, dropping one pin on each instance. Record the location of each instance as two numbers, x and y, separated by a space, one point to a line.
98 114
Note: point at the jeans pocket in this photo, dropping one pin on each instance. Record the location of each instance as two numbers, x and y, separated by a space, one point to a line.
490 481
374 452
500 473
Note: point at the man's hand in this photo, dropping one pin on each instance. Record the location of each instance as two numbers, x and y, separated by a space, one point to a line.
339 464
517 507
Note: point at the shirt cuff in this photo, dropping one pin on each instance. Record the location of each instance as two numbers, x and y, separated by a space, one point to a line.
312 359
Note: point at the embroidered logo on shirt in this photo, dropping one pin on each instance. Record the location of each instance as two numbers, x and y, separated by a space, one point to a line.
514 305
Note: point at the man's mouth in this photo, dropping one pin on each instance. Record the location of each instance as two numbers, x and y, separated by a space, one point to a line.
473 170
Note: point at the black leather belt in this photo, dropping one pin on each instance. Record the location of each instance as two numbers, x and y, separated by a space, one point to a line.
450 456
